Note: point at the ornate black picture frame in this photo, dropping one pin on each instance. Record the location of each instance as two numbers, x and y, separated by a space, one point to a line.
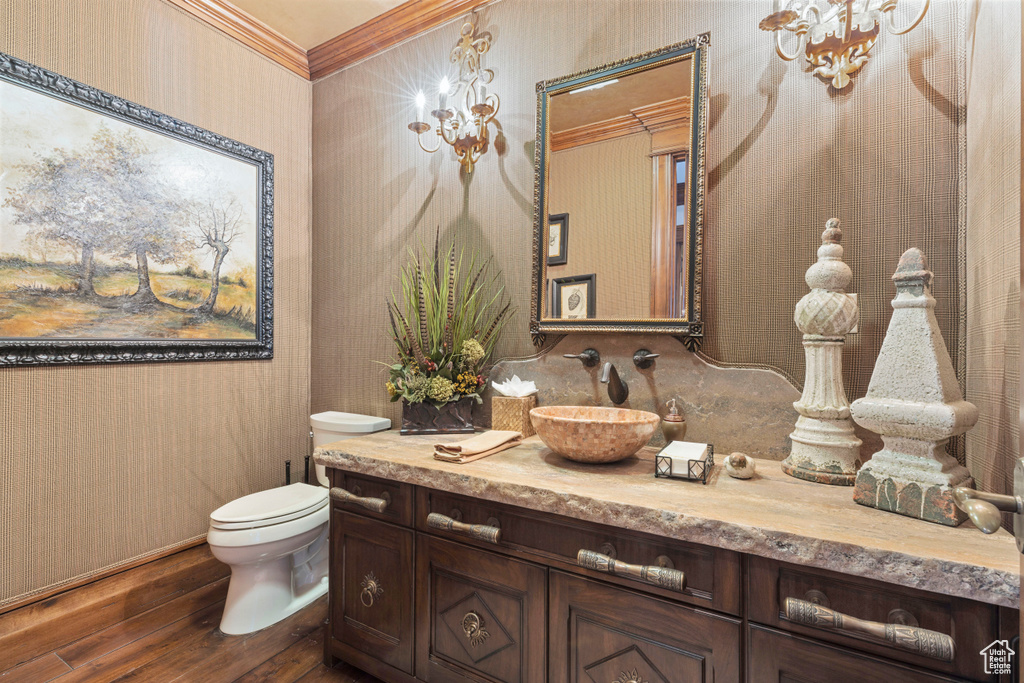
192 282
558 244
583 287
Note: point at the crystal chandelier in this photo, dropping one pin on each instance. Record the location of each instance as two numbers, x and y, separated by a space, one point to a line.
837 36
464 108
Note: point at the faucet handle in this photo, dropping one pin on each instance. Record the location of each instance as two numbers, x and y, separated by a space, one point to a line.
644 359
984 508
589 357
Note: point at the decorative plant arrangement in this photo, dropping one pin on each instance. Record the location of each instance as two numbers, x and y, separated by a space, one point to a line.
444 326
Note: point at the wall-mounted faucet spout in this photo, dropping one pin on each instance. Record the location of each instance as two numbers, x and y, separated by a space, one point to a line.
618 391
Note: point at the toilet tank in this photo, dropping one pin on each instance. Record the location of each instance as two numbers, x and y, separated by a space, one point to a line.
333 426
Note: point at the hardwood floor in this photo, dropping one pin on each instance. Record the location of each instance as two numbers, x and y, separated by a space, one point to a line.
156 623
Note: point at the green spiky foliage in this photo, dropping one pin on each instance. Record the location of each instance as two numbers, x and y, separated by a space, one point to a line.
444 323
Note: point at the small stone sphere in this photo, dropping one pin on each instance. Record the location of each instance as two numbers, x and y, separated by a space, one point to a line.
739 466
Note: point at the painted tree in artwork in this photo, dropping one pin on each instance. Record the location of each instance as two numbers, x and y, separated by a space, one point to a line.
68 198
151 224
106 197
217 223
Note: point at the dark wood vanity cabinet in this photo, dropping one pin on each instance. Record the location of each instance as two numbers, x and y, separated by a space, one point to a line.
777 657
478 614
433 586
371 602
605 633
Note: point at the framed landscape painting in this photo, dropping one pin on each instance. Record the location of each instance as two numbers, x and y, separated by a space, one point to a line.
126 235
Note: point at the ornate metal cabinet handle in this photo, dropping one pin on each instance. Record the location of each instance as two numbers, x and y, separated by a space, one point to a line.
473 627
910 638
481 532
371 590
374 504
663 577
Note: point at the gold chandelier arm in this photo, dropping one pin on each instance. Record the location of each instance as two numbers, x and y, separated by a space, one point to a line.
782 53
419 139
444 131
888 9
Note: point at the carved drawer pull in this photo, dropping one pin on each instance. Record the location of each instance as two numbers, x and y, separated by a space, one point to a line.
663 577
374 504
911 638
481 532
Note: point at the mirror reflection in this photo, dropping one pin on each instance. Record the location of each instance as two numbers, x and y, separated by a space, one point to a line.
618 190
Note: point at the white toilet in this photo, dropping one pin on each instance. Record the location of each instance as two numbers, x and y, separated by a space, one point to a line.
275 541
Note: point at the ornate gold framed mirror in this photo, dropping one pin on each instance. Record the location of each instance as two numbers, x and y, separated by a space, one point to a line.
619 196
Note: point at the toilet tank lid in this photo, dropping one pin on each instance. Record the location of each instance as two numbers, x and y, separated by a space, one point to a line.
271 503
348 423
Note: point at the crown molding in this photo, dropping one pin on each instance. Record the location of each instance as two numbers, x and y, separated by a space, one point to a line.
249 31
401 23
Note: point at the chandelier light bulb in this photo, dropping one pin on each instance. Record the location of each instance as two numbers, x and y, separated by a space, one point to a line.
421 101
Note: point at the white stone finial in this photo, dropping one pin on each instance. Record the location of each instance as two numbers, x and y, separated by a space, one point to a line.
914 402
825 448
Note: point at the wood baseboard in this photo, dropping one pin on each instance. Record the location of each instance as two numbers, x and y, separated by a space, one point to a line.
106 573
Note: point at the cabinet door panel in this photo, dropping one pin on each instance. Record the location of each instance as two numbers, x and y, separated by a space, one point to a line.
777 657
607 634
372 588
478 614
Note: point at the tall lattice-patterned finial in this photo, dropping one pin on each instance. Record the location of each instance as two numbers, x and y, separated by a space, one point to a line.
825 449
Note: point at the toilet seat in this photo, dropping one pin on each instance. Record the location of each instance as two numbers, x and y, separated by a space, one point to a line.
266 508
268 533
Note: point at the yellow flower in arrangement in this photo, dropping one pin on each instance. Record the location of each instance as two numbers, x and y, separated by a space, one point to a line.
466 383
440 389
392 389
472 353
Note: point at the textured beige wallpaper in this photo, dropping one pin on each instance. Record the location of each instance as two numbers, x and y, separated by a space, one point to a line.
993 239
102 465
785 153
606 188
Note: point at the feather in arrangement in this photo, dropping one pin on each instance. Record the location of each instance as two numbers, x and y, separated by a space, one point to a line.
449 322
446 359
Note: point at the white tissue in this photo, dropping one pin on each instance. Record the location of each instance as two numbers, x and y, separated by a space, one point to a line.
515 387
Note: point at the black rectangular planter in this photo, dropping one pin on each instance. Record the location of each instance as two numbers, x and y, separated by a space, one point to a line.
426 418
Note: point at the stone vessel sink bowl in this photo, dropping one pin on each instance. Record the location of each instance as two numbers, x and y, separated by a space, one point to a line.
593 433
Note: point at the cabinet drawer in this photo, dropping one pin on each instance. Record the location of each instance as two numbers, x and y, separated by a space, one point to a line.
604 633
371 603
479 615
713 575
972 625
774 656
371 494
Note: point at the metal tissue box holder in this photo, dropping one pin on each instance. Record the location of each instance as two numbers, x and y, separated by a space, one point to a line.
696 470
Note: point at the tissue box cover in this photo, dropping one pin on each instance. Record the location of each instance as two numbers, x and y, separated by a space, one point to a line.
513 413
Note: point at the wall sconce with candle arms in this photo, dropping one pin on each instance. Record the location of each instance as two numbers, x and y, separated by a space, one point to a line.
836 40
463 125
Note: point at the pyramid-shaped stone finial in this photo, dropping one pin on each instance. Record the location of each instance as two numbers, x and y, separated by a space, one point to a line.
824 448
914 402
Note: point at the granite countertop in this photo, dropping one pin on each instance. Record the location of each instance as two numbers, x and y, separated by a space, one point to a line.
772 515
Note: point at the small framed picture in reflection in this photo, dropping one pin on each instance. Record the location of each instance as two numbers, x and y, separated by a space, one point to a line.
558 238
574 296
